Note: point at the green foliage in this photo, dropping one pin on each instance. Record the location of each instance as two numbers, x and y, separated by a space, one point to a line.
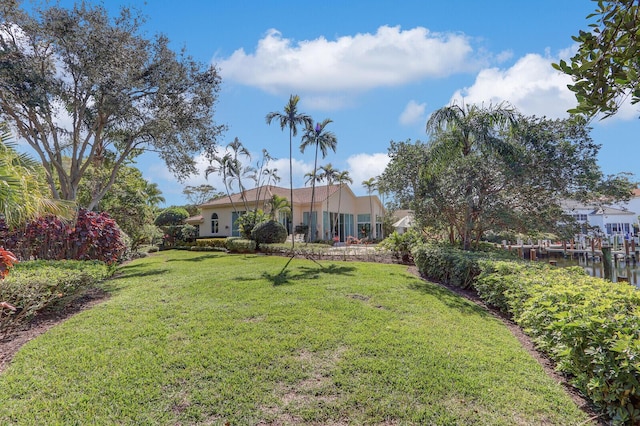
605 68
269 232
172 216
35 286
126 93
401 245
131 200
249 220
240 245
589 326
220 243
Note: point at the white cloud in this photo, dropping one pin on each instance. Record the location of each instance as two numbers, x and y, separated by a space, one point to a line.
531 85
413 113
390 57
365 166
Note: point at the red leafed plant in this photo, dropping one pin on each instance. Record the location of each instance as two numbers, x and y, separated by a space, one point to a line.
7 260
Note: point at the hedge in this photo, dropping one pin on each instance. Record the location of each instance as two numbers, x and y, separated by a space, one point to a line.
590 327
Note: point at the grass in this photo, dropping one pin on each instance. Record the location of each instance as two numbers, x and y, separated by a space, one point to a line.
192 338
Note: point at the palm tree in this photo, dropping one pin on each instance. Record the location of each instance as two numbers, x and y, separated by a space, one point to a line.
328 174
342 178
236 170
222 167
371 184
277 203
22 187
323 140
471 129
291 119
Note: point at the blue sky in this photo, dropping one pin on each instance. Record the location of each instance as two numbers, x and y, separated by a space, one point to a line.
377 69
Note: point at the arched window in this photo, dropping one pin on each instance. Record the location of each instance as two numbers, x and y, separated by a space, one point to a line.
214 223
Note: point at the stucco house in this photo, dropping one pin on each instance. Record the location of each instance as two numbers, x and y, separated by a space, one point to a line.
337 212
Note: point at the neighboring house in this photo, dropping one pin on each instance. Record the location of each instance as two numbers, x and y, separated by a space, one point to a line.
609 220
404 220
217 217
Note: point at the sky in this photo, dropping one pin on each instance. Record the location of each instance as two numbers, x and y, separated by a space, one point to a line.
378 69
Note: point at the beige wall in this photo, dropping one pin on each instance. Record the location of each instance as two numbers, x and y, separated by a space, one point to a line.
348 204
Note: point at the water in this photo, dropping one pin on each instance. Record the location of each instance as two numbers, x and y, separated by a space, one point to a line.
628 270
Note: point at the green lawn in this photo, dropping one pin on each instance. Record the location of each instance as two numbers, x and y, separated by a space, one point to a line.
207 338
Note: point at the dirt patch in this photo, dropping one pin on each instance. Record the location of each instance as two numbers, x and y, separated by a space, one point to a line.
9 346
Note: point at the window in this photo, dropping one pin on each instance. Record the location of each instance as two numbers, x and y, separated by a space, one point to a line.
214 223
364 226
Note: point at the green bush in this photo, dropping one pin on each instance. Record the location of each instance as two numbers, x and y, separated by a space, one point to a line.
239 245
589 326
35 286
250 220
220 243
171 216
401 245
269 232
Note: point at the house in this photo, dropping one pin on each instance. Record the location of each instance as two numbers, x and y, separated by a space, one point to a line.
404 220
337 212
608 220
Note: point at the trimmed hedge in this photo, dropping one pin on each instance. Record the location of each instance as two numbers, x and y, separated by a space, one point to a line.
590 327
239 245
220 243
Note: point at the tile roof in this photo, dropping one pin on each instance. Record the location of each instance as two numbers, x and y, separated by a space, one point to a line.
300 195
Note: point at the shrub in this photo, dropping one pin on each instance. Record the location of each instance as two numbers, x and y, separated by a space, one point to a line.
589 326
401 245
39 285
269 232
239 245
93 236
220 243
249 220
172 216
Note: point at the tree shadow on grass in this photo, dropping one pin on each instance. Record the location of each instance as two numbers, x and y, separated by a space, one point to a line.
198 258
450 297
137 271
287 276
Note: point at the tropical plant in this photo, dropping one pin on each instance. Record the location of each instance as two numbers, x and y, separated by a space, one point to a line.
291 118
23 192
342 178
328 174
465 131
249 220
236 170
323 140
277 203
370 185
223 166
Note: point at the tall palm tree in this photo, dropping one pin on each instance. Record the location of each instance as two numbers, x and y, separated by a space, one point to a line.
237 170
469 130
328 174
222 166
371 184
291 118
342 178
323 141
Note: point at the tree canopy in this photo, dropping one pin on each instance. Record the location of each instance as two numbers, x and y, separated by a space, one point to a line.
606 67
77 84
517 186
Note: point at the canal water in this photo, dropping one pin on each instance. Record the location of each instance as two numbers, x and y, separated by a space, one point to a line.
628 271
